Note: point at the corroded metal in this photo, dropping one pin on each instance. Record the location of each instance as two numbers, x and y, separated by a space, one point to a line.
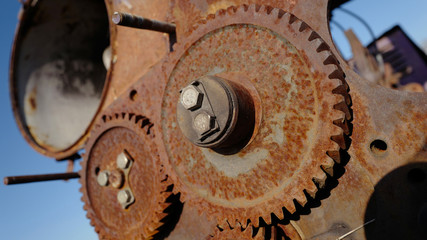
55 119
298 176
129 20
39 178
134 207
298 100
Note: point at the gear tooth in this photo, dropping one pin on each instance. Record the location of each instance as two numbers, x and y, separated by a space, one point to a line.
342 90
320 180
289 206
300 198
252 8
231 10
220 12
343 124
232 223
268 219
276 12
331 60
323 47
313 36
338 74
303 27
255 222
279 214
292 19
340 140
336 156
311 189
328 169
343 107
261 9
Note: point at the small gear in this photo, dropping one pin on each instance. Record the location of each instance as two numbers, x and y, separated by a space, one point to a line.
126 192
301 102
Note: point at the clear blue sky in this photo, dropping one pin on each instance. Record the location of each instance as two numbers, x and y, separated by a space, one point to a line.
53 210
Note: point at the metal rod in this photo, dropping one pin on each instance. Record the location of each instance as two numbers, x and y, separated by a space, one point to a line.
39 178
130 20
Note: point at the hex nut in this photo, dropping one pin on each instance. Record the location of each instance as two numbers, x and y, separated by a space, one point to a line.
102 178
123 161
203 123
124 196
191 97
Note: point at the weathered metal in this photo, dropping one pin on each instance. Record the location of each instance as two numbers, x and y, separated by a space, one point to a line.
134 208
220 115
55 43
318 165
130 20
39 178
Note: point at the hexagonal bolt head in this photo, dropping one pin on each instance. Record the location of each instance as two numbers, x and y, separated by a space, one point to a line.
124 196
203 123
123 161
191 97
102 178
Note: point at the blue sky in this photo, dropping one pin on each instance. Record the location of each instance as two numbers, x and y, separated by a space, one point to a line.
53 210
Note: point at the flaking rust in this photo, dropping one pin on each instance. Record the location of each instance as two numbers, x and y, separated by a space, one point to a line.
325 148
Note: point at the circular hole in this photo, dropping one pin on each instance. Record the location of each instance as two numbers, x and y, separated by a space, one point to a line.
378 147
416 175
97 171
133 95
58 70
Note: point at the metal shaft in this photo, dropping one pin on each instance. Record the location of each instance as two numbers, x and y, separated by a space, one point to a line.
130 20
40 178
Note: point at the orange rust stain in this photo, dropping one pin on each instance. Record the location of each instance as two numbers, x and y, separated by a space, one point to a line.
33 103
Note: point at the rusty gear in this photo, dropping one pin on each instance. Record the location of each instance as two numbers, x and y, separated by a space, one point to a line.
269 232
300 125
130 134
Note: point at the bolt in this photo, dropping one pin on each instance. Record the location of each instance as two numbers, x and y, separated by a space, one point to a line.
191 97
102 178
124 196
203 122
123 161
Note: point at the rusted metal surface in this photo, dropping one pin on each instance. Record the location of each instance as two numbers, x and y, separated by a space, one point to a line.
56 44
133 209
298 177
39 178
130 20
297 98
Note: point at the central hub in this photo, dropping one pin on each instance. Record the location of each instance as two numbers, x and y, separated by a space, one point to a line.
216 113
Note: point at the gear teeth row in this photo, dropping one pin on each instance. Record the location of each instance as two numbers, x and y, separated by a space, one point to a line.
341 110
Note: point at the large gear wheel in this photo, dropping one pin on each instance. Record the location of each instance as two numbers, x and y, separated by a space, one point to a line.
106 179
301 107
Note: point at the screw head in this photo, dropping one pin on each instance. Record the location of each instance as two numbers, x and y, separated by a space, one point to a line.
124 196
102 178
123 161
191 97
203 123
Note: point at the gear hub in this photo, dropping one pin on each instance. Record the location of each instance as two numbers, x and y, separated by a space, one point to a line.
221 116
